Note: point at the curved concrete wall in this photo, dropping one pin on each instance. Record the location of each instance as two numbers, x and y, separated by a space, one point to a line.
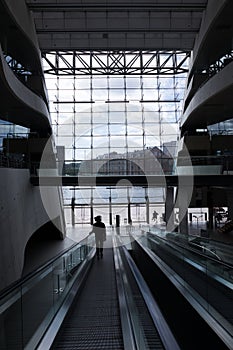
21 208
212 103
19 41
33 110
21 214
209 85
206 41
19 12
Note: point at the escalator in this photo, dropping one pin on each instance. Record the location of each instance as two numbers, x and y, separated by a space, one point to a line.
110 311
193 290
75 301
132 299
94 321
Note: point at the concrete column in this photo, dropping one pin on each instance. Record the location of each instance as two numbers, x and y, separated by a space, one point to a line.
147 210
92 212
183 227
210 209
129 214
183 213
72 211
169 208
118 218
110 211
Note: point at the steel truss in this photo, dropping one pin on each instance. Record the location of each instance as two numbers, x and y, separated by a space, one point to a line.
219 64
116 62
16 66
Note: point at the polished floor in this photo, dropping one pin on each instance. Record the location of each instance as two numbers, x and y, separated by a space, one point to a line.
45 250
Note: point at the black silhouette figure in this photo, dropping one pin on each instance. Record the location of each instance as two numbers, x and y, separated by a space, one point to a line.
100 235
155 216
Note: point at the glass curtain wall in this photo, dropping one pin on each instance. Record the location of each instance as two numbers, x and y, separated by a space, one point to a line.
118 124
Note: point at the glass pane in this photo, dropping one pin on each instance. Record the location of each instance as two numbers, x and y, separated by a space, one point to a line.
100 95
11 321
135 130
117 129
117 141
133 82
82 129
100 130
117 117
83 142
65 129
101 152
149 82
35 317
134 95
51 83
99 117
100 82
134 117
65 107
152 129
116 82
82 95
167 94
117 95
83 117
100 142
135 141
149 94
83 83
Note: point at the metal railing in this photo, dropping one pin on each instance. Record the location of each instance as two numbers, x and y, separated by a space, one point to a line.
138 166
148 333
188 262
11 162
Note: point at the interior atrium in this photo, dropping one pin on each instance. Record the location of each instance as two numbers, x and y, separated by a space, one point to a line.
116 172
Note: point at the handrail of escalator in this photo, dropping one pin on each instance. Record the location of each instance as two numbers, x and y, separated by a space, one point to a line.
183 246
204 248
216 269
127 329
165 334
160 323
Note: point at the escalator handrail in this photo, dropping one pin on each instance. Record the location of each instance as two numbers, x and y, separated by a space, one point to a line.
50 334
206 249
215 275
159 321
173 244
127 328
177 281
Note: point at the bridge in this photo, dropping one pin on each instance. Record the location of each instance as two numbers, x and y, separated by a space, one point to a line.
135 180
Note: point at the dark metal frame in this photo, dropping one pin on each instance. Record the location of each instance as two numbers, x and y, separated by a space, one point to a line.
219 64
116 62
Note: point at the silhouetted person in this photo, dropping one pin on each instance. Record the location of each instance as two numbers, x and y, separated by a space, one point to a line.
155 216
99 230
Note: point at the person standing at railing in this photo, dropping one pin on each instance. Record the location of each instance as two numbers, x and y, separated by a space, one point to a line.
99 230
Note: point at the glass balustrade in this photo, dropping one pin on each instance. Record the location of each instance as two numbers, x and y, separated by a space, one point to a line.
203 269
28 309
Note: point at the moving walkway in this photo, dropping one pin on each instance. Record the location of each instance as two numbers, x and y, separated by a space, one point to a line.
195 289
133 298
79 302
